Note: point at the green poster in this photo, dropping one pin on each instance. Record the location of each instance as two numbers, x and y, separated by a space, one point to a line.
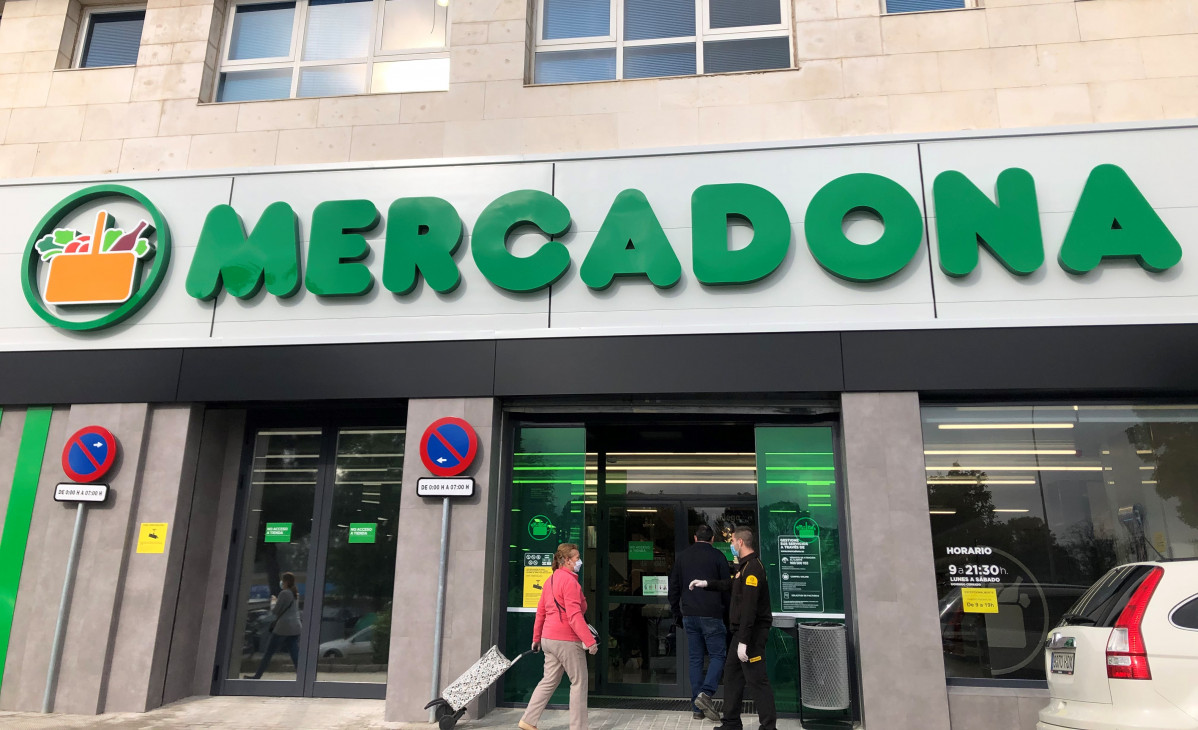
278 532
799 495
640 551
362 531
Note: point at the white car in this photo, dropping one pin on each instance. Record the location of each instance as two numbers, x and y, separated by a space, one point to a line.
359 643
1125 657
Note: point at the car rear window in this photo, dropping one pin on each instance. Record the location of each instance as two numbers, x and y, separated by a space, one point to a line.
1106 599
1186 615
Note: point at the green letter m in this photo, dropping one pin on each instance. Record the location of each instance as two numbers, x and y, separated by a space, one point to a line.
225 255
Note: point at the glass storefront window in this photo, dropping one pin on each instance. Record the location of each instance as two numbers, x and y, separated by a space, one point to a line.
1032 504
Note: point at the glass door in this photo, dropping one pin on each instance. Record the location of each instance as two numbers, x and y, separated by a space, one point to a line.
319 529
641 652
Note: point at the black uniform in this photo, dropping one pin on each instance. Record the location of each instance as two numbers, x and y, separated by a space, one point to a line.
750 617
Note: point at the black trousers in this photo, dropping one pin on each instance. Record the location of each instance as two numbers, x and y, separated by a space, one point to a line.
749 676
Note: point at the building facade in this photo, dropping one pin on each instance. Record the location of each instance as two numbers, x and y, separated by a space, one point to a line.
900 284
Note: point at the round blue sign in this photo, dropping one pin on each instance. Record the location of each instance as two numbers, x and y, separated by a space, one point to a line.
448 446
89 454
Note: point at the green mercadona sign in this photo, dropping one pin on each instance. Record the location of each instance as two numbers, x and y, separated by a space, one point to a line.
1112 220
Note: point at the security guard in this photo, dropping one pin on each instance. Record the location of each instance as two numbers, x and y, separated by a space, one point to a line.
751 618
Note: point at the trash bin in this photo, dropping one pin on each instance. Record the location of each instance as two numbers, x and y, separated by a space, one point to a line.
823 666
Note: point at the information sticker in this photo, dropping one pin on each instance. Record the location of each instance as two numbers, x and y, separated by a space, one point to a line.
655 585
278 532
979 600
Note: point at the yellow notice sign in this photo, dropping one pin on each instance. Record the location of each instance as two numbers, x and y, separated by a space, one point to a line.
151 538
979 600
534 580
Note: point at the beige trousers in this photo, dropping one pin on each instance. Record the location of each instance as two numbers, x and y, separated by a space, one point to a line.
571 657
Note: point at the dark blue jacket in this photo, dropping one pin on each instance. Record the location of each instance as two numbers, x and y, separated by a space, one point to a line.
700 561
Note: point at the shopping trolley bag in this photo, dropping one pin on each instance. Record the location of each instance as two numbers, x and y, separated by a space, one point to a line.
451 705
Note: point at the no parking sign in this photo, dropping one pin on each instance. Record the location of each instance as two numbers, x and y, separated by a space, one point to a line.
448 446
89 454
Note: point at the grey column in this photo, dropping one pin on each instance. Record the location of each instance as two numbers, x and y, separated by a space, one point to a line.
467 620
123 606
891 562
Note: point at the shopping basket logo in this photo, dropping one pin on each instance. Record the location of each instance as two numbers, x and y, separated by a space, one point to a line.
84 269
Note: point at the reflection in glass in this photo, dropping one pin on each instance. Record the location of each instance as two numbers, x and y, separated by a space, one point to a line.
355 621
332 80
424 74
1053 496
412 25
278 534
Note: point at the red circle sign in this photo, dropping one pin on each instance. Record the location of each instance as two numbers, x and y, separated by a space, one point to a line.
89 454
448 446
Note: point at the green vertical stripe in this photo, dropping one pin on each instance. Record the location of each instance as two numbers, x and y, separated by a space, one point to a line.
20 514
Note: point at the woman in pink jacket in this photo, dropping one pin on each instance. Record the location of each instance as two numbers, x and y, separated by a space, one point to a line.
561 631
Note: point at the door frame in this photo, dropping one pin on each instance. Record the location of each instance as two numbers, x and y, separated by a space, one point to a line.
329 420
682 540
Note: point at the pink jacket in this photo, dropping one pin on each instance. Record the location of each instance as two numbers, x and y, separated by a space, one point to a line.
550 624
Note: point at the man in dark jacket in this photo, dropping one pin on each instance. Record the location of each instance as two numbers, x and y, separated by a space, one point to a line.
701 614
751 618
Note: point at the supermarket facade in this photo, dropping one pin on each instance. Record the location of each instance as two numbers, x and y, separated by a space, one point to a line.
948 379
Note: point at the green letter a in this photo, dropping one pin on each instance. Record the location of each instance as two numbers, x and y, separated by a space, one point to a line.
630 242
1008 227
1114 220
224 254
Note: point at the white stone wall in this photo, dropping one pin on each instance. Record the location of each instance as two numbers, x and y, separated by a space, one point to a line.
1012 63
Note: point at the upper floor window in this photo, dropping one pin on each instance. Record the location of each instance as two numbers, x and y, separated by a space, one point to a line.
912 6
111 36
599 40
279 50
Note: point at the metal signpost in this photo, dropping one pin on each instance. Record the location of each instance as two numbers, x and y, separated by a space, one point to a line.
87 456
447 449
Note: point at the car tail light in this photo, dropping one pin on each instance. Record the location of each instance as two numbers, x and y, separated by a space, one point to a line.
1126 656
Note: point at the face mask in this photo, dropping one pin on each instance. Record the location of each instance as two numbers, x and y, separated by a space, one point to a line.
735 552
578 565
280 585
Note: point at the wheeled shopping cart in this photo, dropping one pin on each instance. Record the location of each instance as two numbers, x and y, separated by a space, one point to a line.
451 705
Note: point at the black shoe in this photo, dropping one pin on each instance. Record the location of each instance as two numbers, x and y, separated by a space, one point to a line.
698 715
724 726
704 703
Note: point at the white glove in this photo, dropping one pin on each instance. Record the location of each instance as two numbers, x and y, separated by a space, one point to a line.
698 584
742 652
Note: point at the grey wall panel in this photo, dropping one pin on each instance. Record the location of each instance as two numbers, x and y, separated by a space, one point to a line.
89 376
791 362
326 372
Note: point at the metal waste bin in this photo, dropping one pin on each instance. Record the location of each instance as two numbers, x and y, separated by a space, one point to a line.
823 666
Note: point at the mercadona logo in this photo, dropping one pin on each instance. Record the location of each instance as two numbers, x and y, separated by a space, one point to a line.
81 260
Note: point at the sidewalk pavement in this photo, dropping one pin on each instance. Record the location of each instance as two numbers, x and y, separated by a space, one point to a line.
296 713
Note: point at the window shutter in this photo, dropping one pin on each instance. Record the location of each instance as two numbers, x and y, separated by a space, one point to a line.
262 31
576 18
749 54
643 62
910 6
114 39
645 19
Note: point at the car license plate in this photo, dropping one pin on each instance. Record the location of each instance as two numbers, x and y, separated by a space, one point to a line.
1062 662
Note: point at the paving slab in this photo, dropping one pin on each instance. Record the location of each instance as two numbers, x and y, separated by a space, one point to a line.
301 713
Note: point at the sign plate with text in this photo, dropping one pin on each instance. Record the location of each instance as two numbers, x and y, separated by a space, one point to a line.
445 487
67 492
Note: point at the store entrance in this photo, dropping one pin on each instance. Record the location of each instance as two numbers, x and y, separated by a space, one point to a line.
320 504
630 492
645 652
